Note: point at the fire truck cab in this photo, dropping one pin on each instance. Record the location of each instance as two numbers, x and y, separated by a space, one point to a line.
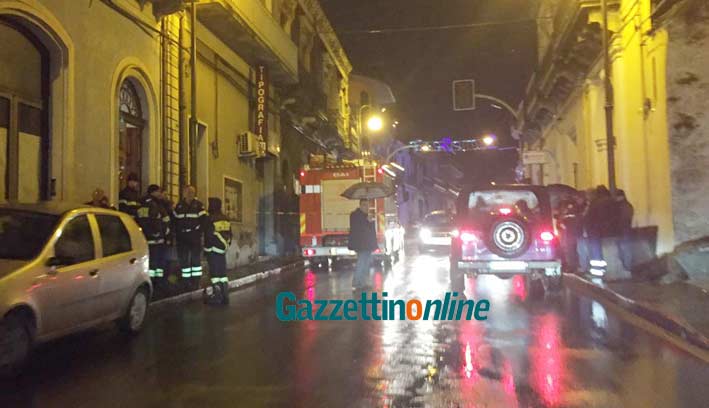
325 213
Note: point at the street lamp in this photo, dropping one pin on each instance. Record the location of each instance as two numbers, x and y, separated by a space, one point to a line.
488 140
375 123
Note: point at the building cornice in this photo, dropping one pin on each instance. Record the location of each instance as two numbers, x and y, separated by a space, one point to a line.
327 34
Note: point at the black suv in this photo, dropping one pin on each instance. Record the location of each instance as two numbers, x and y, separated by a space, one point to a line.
506 230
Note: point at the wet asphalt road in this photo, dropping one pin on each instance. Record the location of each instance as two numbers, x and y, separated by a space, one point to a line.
565 351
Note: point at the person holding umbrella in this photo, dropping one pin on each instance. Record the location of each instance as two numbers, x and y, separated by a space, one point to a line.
362 240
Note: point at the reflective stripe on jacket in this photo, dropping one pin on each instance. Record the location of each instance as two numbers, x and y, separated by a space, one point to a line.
154 221
129 201
217 235
189 219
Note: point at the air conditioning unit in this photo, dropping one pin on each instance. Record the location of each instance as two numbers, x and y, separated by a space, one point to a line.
250 145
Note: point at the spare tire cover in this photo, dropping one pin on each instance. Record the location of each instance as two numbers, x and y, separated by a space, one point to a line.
509 238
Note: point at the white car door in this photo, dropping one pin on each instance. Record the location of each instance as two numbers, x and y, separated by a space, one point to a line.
68 289
120 265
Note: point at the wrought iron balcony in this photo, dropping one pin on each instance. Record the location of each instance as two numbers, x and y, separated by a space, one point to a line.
247 27
576 45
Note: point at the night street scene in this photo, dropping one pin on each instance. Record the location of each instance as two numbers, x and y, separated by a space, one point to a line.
354 203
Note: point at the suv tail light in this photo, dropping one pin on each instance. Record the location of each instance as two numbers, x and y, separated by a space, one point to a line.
309 252
468 236
505 211
547 236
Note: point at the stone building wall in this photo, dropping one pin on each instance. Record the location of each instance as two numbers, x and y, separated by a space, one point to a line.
688 118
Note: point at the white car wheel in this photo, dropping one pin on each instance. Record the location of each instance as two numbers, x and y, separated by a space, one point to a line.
15 345
134 318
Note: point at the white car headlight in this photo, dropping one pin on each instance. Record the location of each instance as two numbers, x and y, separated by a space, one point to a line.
425 234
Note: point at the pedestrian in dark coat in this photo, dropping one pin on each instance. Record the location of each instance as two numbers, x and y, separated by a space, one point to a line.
623 220
99 199
217 239
155 223
190 217
362 240
571 227
598 224
129 198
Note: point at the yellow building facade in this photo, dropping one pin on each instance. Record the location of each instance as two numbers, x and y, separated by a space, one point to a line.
570 118
91 92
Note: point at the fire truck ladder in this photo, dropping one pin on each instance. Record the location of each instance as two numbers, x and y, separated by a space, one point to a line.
369 175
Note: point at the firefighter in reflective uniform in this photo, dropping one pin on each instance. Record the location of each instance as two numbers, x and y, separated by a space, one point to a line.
217 238
155 222
129 197
190 217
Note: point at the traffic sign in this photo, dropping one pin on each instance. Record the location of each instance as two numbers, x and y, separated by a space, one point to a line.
464 95
534 157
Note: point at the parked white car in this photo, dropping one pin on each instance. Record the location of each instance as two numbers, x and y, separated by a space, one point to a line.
65 268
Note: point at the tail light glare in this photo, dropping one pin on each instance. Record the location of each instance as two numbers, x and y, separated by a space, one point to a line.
309 252
468 237
547 236
377 251
505 211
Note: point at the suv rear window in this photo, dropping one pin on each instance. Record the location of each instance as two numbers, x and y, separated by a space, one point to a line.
437 220
491 200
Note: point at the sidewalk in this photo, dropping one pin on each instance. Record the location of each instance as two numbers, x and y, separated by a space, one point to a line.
238 277
679 309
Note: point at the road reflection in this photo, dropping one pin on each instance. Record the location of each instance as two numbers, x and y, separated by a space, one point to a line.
555 352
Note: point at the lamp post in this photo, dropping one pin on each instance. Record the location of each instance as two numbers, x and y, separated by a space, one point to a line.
374 123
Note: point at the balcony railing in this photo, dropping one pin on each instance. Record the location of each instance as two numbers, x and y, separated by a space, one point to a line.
247 27
575 45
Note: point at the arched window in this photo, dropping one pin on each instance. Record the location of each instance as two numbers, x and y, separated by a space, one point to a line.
131 143
129 103
24 120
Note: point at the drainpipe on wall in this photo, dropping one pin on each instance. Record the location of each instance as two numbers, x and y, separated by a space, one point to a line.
610 137
193 95
181 79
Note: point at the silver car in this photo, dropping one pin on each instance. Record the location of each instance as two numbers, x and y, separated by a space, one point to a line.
65 268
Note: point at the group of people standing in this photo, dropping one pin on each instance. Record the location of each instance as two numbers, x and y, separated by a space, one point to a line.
188 226
586 219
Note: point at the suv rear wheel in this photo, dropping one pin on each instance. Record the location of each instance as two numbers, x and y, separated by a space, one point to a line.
553 284
457 277
535 287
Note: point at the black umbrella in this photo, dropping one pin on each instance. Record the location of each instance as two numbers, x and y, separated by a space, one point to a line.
368 191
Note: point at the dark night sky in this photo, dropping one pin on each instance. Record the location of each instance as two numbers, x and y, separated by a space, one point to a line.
421 65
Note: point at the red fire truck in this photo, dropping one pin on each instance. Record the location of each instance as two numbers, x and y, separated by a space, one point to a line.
325 214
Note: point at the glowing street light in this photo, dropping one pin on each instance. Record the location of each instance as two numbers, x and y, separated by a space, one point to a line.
426 148
489 140
375 123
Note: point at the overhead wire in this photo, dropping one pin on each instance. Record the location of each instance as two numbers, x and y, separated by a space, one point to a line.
438 27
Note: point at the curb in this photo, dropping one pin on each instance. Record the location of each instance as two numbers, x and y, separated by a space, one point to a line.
669 324
233 284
